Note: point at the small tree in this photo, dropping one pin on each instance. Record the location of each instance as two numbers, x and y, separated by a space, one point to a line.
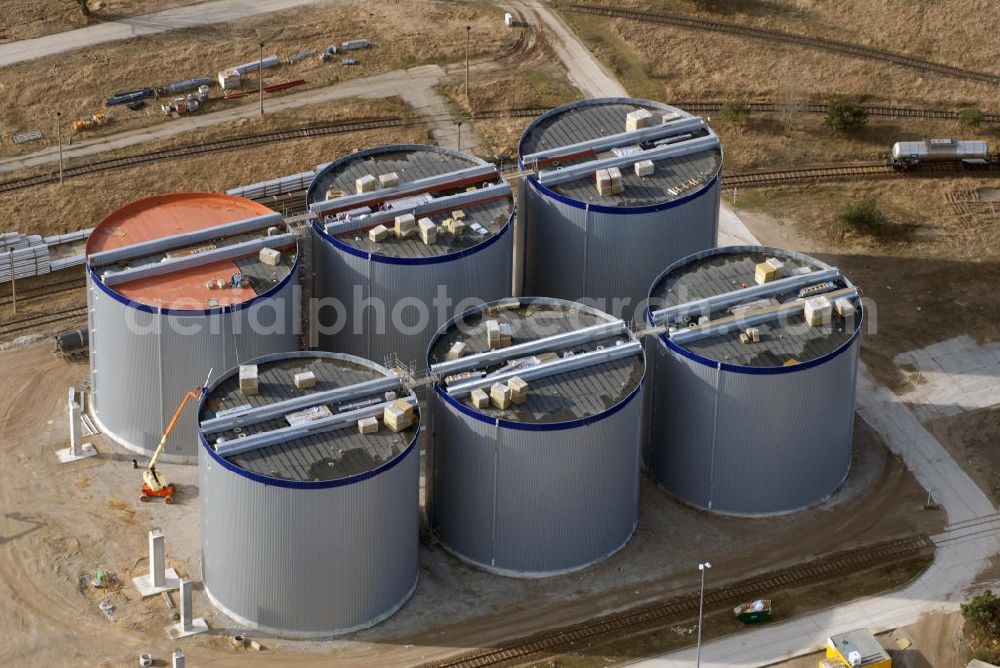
982 616
735 113
843 115
864 216
970 117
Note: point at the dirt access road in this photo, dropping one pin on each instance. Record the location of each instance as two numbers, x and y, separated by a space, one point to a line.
191 16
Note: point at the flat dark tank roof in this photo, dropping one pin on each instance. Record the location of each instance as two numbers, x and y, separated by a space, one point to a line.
593 119
558 398
781 340
328 455
411 165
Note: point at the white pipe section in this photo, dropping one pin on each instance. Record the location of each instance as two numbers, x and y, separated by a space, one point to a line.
266 412
439 204
574 172
406 188
628 138
709 304
563 365
177 264
726 325
187 239
268 438
563 340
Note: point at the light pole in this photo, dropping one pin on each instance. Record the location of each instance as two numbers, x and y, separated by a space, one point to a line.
468 32
701 608
459 147
260 76
59 139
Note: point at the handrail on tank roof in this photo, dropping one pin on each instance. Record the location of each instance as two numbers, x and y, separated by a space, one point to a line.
283 435
545 344
768 314
573 172
171 265
163 244
546 369
258 414
627 138
707 305
489 193
436 182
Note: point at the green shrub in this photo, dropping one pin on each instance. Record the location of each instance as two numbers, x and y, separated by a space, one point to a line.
734 113
982 626
843 115
864 216
970 117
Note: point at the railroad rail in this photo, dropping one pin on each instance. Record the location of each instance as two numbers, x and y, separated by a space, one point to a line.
43 292
14 328
819 173
655 615
247 141
835 46
883 111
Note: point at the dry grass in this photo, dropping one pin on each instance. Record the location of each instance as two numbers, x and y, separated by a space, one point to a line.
78 82
541 86
672 63
82 202
25 19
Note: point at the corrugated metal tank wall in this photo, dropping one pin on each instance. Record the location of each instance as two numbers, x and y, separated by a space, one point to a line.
480 274
309 562
530 502
782 438
140 370
576 251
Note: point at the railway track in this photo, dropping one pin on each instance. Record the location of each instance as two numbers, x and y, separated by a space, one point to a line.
13 328
883 111
43 292
237 143
777 36
821 173
655 615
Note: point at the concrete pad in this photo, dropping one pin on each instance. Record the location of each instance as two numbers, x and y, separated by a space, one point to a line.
198 625
66 455
145 586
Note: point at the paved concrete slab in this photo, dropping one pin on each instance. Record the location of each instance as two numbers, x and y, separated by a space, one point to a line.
950 377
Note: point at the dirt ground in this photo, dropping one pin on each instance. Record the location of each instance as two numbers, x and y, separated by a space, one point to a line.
78 82
670 63
82 202
61 521
971 438
24 19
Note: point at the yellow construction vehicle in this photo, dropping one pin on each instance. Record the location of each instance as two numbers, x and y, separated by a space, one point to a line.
152 484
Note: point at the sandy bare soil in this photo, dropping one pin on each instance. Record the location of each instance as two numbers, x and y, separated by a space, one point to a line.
971 438
61 521
78 82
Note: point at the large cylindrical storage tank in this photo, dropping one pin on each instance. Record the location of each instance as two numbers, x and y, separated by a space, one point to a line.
385 294
177 285
753 397
548 482
579 239
309 527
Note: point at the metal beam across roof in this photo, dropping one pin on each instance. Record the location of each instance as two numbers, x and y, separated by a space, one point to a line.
267 412
171 265
266 439
545 344
628 138
146 248
562 365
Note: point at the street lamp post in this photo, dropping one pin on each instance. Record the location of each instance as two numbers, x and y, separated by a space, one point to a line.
468 32
459 146
260 76
59 139
701 608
